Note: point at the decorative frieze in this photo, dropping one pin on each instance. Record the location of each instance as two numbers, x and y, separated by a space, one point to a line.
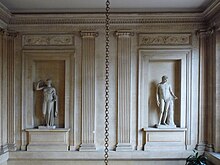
164 39
47 40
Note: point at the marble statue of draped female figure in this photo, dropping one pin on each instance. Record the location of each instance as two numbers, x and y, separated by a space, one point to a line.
50 101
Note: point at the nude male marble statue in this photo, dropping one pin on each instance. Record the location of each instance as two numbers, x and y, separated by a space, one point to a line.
50 102
165 98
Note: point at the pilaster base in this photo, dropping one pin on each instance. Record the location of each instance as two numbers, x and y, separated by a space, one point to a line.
12 147
73 148
87 147
209 147
201 146
23 148
3 148
124 147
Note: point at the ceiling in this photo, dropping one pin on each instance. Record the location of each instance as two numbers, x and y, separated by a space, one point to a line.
39 6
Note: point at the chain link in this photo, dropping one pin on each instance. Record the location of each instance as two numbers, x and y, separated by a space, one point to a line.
107 24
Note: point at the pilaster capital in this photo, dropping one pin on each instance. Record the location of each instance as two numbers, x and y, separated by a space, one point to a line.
7 33
88 34
124 33
218 29
2 31
205 32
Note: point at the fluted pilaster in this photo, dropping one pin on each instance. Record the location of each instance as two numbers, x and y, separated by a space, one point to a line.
216 90
205 141
11 91
3 92
124 91
210 45
88 91
202 136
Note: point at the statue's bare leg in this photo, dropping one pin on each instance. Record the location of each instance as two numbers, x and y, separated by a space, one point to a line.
44 110
167 104
161 111
48 114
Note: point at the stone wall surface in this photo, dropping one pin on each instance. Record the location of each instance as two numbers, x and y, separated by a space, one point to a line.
70 50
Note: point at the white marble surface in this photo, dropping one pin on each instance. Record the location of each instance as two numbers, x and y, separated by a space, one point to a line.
4 158
48 139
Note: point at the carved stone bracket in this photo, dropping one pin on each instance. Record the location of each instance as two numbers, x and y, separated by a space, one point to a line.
164 39
47 40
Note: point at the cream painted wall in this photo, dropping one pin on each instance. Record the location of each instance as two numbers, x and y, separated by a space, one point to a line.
127 32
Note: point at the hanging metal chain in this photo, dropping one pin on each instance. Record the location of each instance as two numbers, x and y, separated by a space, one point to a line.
107 24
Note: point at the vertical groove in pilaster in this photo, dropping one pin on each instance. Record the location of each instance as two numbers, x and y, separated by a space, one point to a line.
124 91
217 94
10 93
1 94
4 119
209 115
88 91
202 92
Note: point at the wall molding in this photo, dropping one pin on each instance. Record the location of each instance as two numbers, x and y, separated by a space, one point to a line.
164 39
5 15
48 40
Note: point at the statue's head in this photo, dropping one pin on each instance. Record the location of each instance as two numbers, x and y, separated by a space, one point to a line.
48 81
164 78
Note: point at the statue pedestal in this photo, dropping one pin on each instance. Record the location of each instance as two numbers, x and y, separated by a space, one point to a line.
46 127
164 139
165 126
48 139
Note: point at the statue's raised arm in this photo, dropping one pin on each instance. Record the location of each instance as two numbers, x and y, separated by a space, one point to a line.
39 85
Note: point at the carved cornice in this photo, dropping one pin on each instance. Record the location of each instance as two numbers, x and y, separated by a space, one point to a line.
78 19
212 10
47 40
116 18
84 34
164 39
5 14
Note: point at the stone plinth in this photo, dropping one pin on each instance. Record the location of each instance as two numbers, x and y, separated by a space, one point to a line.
164 139
48 139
